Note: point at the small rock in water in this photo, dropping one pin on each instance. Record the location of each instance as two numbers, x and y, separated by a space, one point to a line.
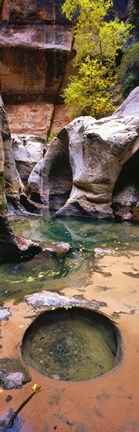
100 251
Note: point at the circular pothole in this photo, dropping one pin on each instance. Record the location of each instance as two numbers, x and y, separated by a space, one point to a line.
76 344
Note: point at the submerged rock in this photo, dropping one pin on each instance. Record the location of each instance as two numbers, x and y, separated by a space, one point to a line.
56 247
98 252
15 248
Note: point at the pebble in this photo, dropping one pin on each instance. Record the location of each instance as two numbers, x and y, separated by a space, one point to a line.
11 380
4 313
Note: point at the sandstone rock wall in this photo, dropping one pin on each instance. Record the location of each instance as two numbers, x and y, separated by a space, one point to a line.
2 160
120 7
11 247
35 43
30 118
35 60
36 56
132 15
10 183
27 12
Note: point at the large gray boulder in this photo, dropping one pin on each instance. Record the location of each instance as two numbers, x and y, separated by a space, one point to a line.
130 107
88 156
53 174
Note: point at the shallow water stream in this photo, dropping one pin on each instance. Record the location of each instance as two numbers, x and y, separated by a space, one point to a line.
73 351
16 280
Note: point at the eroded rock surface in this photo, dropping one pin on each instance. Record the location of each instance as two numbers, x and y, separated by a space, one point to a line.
130 107
10 181
36 41
15 248
12 247
26 12
32 118
27 151
11 186
87 158
102 148
52 175
2 159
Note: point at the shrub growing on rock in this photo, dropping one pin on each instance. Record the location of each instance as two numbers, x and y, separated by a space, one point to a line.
97 41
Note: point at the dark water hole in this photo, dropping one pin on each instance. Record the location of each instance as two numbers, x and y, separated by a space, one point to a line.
72 345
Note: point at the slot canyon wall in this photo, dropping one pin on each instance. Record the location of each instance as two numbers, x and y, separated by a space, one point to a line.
36 58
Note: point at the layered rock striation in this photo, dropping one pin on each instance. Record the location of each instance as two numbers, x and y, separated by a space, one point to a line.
35 51
12 247
36 60
94 162
10 183
35 42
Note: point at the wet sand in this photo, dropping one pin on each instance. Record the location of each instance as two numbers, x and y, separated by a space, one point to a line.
108 403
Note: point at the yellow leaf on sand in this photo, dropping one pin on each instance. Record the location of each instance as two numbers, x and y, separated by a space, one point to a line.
36 388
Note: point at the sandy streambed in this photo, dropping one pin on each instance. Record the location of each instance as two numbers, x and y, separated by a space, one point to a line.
108 403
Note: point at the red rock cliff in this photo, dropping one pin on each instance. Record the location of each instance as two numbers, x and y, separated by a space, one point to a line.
35 45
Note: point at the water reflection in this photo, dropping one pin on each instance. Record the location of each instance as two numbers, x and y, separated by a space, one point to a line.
80 233
75 269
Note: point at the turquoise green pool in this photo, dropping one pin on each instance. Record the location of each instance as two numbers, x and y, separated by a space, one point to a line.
16 280
80 233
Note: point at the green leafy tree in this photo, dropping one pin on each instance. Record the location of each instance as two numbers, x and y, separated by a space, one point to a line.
97 41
